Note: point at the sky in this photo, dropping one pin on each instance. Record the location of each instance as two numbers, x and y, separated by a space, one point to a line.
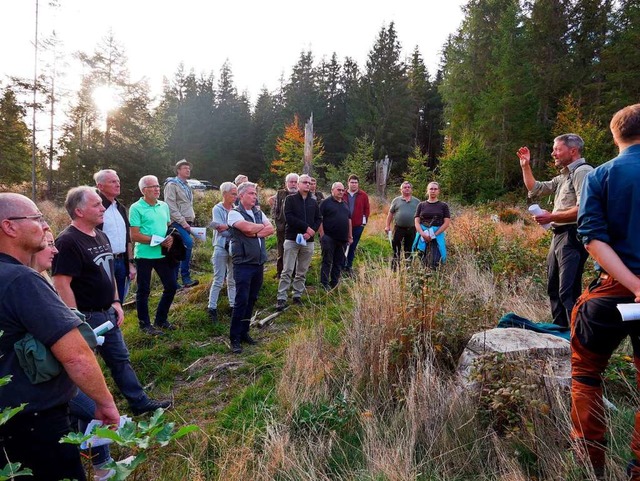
262 40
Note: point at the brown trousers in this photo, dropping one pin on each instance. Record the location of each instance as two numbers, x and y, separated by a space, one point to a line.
597 329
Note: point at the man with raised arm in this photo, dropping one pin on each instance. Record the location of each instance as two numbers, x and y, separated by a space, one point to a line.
609 227
30 307
567 255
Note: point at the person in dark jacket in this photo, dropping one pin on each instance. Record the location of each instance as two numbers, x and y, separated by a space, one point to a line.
277 207
249 227
303 219
116 226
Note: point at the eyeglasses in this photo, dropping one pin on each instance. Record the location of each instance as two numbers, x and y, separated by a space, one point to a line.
36 217
152 187
303 182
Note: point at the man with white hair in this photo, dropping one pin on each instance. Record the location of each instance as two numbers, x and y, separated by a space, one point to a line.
302 215
116 226
150 217
277 204
221 258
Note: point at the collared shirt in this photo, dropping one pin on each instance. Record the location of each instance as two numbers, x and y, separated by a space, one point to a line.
115 228
610 211
567 187
152 220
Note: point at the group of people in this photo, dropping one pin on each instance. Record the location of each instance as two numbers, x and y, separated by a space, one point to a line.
239 249
596 212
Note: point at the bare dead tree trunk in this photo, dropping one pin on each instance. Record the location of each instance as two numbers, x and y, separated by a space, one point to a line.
382 174
35 92
308 146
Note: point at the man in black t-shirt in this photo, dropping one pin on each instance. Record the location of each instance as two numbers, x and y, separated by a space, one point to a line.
335 234
83 275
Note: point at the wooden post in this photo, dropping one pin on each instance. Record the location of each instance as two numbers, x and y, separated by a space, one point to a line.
308 146
382 174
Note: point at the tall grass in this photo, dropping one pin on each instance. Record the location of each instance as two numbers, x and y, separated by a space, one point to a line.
383 403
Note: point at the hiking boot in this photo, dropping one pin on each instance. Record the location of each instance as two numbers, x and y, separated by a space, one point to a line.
186 285
247 339
213 315
280 305
150 330
236 347
296 300
167 326
150 405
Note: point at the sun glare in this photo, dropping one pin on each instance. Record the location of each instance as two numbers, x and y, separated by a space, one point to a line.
105 98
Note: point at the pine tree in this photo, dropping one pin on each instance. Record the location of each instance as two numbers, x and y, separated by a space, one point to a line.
15 144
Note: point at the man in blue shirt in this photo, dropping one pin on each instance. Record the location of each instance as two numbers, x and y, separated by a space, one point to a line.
609 227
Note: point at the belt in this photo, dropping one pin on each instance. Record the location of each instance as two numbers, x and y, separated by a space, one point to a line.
93 310
119 256
559 229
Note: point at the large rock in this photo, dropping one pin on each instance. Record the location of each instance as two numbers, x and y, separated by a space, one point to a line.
550 355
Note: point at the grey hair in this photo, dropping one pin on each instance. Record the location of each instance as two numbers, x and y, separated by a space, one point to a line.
305 176
239 177
335 184
244 186
226 187
76 199
143 181
571 141
290 176
406 182
99 177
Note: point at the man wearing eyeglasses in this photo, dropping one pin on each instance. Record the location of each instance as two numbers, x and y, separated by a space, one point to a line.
335 235
30 306
303 219
150 217
567 255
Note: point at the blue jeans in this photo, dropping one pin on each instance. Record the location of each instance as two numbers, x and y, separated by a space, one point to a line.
166 272
248 283
116 357
83 409
121 270
184 269
357 233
